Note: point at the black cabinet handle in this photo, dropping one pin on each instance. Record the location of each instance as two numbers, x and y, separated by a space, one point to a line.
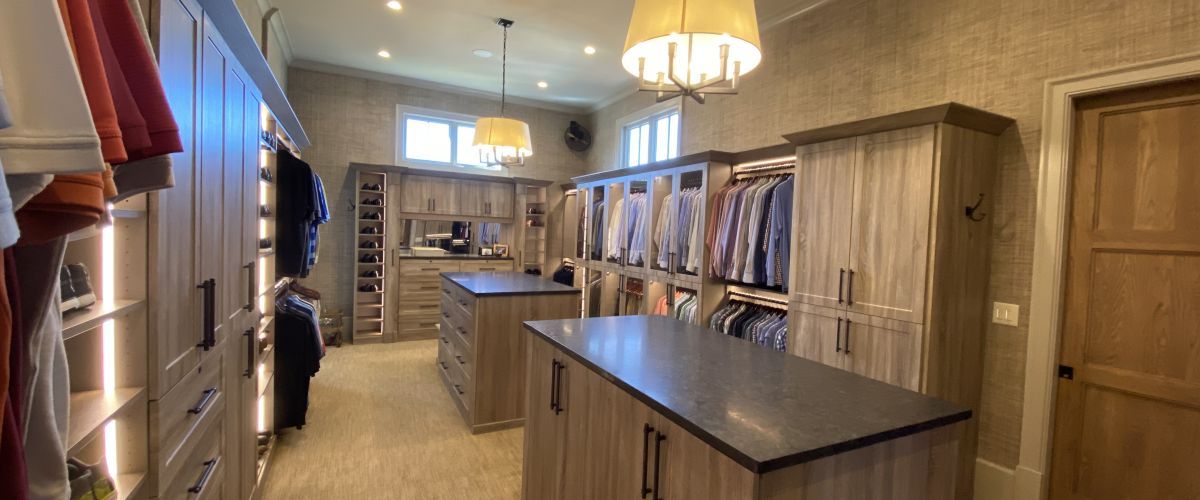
850 289
658 439
460 359
251 288
848 323
445 340
841 284
204 401
838 342
444 366
203 481
249 333
208 333
554 385
646 430
558 388
458 389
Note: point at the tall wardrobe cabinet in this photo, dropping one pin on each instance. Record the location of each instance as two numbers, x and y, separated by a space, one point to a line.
203 248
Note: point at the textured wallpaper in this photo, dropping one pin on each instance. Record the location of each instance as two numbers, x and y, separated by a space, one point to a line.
854 59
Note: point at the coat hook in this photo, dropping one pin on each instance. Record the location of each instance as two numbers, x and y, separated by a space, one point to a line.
972 211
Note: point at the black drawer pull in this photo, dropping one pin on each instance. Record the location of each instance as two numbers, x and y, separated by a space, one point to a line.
658 439
841 284
458 389
252 288
444 365
445 340
850 289
249 372
209 466
460 359
553 385
848 323
838 343
204 401
646 430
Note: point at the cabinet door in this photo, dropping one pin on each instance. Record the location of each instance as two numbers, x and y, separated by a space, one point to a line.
175 312
417 194
544 428
210 214
472 201
889 234
883 349
814 333
234 270
605 433
500 200
685 467
821 224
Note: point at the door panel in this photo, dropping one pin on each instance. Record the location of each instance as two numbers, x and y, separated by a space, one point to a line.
814 333
689 468
544 429
210 213
885 350
889 233
233 273
472 199
175 310
824 189
604 437
1127 423
417 193
500 199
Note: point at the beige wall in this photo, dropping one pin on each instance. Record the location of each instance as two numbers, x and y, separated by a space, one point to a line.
252 12
352 119
853 59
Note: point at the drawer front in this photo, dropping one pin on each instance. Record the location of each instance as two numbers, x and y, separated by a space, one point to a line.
418 325
454 375
410 267
458 321
420 287
461 354
423 306
203 473
184 413
444 356
487 266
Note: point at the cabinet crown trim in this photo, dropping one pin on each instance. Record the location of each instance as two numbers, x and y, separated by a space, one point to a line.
952 113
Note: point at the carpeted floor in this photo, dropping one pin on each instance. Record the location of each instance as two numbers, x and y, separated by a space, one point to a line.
381 426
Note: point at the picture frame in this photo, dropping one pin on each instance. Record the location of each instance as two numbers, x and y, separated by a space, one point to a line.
500 250
485 251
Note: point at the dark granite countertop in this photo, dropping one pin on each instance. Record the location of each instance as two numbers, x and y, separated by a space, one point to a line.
764 409
511 283
454 257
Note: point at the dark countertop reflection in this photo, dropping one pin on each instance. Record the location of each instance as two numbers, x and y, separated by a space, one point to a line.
507 283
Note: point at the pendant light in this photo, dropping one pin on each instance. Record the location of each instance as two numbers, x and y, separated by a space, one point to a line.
691 47
500 140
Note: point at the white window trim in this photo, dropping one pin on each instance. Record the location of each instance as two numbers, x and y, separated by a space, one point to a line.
658 108
402 109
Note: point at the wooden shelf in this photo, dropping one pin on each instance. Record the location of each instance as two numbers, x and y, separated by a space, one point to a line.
90 410
126 213
129 485
79 322
266 253
264 323
83 234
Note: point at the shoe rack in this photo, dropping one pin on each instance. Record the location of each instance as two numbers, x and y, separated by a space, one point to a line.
261 392
370 243
106 346
535 220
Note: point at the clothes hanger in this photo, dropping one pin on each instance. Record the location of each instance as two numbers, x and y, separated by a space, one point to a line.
305 291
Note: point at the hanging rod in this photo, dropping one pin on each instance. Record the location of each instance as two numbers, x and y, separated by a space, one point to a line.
758 297
764 168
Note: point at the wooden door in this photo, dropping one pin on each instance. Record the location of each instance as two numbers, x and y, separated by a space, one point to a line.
472 198
814 333
500 200
886 350
417 193
688 468
210 237
247 430
1127 422
889 233
544 428
821 223
175 312
234 270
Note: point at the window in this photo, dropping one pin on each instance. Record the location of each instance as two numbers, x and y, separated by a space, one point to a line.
435 138
650 136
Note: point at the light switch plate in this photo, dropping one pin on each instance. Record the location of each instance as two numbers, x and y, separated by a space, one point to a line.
1006 314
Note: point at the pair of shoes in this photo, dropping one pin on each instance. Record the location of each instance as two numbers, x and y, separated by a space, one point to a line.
264 173
75 288
372 187
370 230
375 202
371 274
372 216
89 482
369 245
369 259
264 243
264 211
369 288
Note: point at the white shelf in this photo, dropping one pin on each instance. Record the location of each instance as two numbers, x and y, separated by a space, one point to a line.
79 322
129 485
90 410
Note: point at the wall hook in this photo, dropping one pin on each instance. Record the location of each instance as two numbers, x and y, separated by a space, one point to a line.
973 212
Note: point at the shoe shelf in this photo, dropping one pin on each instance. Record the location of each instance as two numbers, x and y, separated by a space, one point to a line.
533 224
130 485
82 321
90 410
370 302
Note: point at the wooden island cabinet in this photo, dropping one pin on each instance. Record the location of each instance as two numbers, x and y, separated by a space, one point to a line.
650 407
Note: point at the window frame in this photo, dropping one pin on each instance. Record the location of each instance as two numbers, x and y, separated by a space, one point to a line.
649 115
454 120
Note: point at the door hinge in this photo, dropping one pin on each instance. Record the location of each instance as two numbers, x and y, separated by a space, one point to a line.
1066 372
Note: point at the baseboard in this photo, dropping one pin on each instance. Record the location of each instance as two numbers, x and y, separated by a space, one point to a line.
993 482
1027 484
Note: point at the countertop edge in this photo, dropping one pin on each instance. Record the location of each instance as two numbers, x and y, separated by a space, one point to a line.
504 294
736 455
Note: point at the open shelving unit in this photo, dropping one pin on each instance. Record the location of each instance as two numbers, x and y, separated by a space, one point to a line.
534 221
370 307
106 345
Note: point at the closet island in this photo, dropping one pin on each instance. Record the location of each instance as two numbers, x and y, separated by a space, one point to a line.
653 407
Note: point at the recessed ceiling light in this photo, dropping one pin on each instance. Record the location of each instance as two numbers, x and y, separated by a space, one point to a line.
394 5
589 50
542 85
385 54
482 53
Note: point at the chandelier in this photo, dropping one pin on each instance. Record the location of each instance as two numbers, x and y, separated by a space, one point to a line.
691 47
502 141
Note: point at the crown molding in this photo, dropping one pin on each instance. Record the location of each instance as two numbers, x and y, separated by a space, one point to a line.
280 28
322 67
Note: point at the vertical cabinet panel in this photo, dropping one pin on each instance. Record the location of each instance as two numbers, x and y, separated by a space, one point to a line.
815 333
416 194
687 467
824 184
500 200
175 310
544 434
889 235
234 281
209 212
885 350
473 197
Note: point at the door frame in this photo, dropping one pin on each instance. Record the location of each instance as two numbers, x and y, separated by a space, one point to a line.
1031 477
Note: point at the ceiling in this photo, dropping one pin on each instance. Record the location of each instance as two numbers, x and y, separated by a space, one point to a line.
433 40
